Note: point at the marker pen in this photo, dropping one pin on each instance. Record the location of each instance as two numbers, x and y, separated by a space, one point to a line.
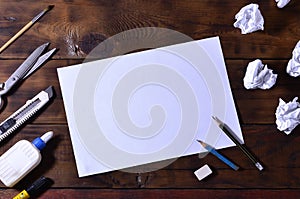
36 188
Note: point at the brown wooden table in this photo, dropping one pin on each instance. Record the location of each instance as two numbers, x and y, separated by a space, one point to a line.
76 27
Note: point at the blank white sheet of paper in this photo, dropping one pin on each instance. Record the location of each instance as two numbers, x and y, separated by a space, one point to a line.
147 106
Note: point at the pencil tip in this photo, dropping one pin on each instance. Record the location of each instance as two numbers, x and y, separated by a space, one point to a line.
202 143
217 120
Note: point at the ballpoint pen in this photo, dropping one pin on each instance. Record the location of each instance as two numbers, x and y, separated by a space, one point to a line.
226 130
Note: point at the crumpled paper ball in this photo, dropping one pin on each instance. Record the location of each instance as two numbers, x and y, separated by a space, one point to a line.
287 115
259 76
293 67
282 3
249 19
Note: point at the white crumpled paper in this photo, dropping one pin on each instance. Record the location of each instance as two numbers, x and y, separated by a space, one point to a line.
293 67
287 115
249 19
259 76
282 3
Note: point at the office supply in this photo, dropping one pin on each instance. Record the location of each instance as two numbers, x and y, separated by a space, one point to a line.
39 186
26 27
147 106
203 172
29 109
22 158
226 130
219 155
31 64
282 3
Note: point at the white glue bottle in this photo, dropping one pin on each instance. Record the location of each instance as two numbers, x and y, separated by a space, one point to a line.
21 158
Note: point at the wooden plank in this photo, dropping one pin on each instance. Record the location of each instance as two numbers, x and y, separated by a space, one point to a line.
254 106
77 27
277 152
160 193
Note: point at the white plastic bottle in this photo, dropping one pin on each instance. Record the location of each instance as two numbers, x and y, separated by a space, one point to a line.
21 158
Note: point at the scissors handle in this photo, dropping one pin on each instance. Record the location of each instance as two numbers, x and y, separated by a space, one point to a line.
8 84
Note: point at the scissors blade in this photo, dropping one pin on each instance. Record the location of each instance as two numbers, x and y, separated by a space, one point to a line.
39 62
29 62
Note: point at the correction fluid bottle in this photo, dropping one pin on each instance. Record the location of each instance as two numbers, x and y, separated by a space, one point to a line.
21 158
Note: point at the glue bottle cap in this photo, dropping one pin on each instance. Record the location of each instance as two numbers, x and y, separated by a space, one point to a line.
40 142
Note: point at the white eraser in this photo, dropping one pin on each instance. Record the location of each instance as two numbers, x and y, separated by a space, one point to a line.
203 172
282 3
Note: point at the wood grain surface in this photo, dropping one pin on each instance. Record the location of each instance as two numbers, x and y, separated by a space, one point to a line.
76 27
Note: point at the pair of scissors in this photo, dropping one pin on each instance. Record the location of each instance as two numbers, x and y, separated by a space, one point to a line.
31 64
